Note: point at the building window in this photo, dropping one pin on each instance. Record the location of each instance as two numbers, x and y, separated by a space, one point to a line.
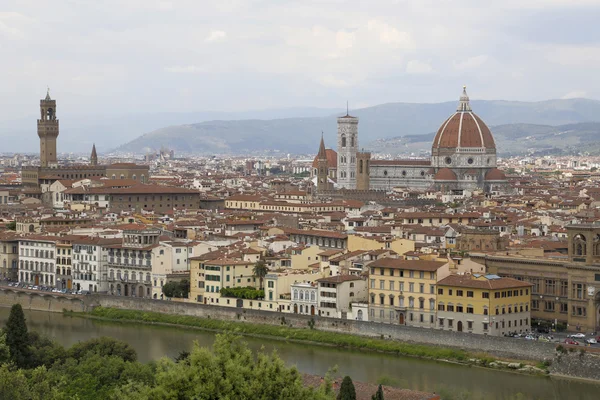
469 293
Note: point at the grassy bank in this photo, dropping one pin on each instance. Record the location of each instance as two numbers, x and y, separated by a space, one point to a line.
285 332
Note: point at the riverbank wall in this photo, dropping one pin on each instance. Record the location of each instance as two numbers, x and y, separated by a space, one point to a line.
570 362
496 346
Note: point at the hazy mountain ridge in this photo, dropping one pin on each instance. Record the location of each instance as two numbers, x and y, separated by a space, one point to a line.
392 120
79 132
511 139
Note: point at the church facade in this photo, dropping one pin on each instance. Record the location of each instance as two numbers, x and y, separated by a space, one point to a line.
463 157
50 170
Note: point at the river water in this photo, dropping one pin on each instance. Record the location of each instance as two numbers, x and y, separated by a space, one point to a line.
153 342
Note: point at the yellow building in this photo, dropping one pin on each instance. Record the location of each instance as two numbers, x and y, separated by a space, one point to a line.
483 304
304 256
404 291
207 278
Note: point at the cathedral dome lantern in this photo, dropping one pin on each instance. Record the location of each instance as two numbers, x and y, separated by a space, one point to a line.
464 129
464 140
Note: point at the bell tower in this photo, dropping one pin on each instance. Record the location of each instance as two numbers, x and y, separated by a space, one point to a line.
47 127
347 149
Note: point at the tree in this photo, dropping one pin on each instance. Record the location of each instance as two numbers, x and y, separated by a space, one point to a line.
11 226
105 347
229 371
179 289
17 337
4 349
378 395
260 271
347 391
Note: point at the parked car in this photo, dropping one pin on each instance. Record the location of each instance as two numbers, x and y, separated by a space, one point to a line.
591 341
577 335
571 341
529 337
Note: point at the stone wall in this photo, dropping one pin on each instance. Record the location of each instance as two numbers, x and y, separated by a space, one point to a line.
577 364
498 346
574 364
40 301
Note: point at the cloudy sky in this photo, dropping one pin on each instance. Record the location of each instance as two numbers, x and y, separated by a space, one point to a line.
120 56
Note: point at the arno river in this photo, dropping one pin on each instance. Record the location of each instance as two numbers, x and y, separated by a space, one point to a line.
153 342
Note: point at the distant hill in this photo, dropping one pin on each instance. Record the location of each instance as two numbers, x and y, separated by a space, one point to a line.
511 139
393 120
79 132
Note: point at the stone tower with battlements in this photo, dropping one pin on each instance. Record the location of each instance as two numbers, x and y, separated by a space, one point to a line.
47 127
363 161
347 149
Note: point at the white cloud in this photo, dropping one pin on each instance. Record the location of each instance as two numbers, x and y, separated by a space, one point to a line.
575 94
332 81
185 69
471 63
390 35
344 40
418 67
216 36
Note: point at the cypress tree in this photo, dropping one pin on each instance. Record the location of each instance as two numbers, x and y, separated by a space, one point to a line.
16 336
347 391
378 395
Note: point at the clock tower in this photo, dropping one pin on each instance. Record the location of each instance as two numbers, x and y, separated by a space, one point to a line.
47 127
347 149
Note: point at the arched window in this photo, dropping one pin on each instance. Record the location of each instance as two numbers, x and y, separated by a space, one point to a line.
312 296
343 140
295 294
302 295
360 167
579 245
352 141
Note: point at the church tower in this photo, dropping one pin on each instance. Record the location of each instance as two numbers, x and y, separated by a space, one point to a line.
94 156
47 127
322 169
347 149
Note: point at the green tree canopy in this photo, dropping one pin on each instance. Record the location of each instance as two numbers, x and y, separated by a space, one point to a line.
347 391
177 289
229 371
17 337
260 271
379 394
103 346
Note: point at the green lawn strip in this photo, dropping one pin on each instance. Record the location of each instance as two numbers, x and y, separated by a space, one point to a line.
295 334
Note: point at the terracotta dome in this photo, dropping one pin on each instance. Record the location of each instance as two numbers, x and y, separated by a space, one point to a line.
464 129
445 174
495 174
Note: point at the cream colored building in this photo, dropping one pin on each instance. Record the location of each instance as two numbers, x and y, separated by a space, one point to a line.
404 291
